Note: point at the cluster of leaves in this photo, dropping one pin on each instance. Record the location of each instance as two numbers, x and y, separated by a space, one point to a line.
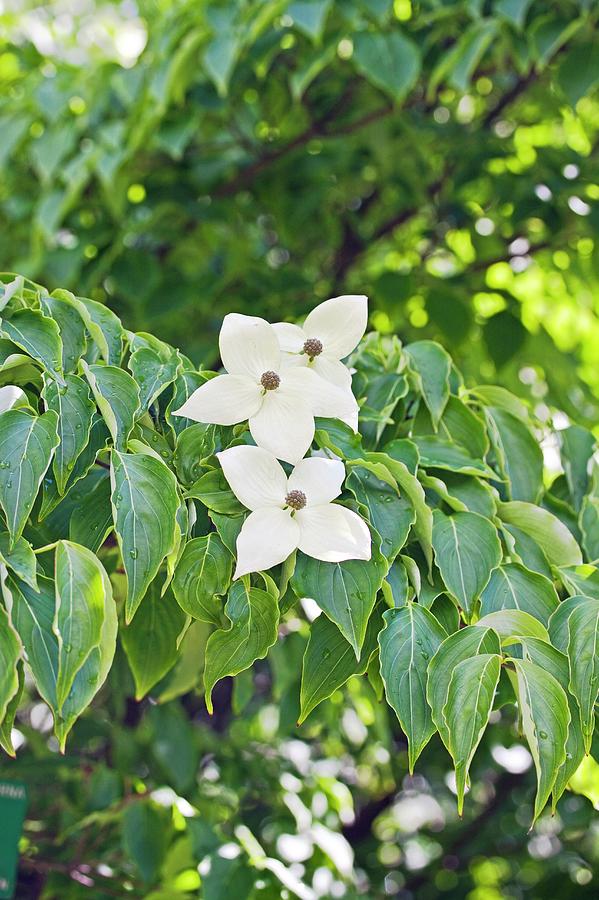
200 170
117 522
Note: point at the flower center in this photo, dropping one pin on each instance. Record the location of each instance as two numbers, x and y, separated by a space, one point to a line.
270 381
312 347
296 499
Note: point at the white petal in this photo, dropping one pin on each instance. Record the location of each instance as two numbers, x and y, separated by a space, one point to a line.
319 479
333 533
267 537
9 394
284 425
332 370
324 398
291 337
224 400
339 323
248 346
254 476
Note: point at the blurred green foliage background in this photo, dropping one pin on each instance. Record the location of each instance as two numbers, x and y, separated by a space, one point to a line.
179 160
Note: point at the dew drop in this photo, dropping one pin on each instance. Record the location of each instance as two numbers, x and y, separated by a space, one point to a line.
424 654
326 653
155 438
67 648
543 734
133 553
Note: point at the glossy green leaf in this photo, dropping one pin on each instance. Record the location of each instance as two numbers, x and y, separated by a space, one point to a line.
436 453
75 409
80 590
144 503
91 522
389 513
103 325
557 543
70 326
202 577
513 586
432 365
459 646
20 558
152 374
467 710
151 640
346 591
26 446
583 656
117 396
513 623
10 653
254 617
545 717
411 637
329 661
519 456
6 724
38 336
467 549
558 623
32 616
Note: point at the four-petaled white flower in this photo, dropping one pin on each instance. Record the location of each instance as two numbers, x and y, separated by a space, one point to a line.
329 334
291 513
279 402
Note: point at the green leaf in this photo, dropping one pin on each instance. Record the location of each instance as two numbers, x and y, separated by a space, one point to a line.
583 579
459 646
20 559
26 446
117 396
467 710
345 591
6 724
152 374
92 675
583 656
195 444
410 638
254 617
214 492
32 616
329 661
389 61
145 833
467 549
436 453
202 576
409 484
546 530
98 439
558 623
518 454
144 503
513 586
10 653
511 624
75 410
38 336
91 522
309 16
458 425
185 384
550 659
545 717
151 640
71 328
576 448
389 513
80 590
104 327
432 365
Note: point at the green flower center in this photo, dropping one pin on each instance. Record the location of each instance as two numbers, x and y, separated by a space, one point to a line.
296 499
270 381
312 347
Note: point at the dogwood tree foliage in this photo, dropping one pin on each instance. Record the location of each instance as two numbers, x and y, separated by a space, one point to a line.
121 522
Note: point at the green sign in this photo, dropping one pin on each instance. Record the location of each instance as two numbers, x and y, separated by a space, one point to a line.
13 803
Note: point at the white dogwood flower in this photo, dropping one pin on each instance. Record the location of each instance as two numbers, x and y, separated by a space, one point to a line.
291 513
280 403
329 334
